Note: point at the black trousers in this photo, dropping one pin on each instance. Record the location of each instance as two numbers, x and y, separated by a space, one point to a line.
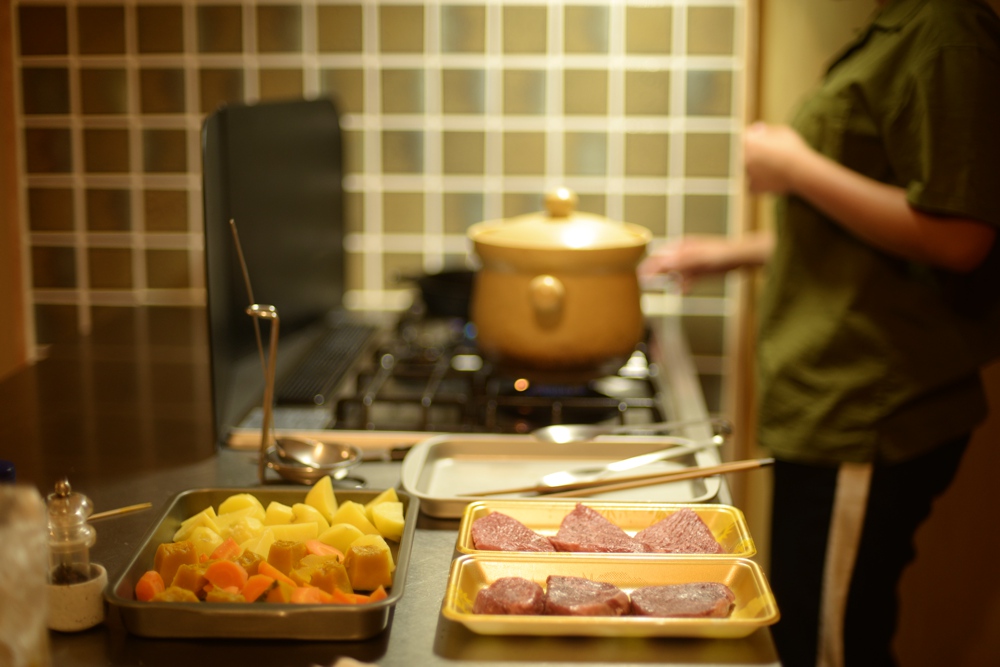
899 500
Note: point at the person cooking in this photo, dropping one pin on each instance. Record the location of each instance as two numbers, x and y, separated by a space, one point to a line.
879 309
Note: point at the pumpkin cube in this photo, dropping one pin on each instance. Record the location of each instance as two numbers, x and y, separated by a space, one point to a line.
285 555
171 556
369 563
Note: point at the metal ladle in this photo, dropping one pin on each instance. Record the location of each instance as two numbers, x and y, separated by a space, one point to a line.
317 458
316 454
566 433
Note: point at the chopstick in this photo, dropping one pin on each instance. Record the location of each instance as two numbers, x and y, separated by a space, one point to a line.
691 473
580 489
128 509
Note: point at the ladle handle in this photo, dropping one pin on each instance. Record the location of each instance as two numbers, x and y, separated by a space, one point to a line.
720 427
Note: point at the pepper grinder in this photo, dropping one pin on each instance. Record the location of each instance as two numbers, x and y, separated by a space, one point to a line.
76 586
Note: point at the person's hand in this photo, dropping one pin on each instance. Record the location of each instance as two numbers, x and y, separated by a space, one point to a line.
690 258
771 154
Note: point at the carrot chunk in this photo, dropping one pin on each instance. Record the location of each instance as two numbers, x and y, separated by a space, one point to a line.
378 594
323 549
309 595
149 584
256 586
349 598
266 568
228 550
226 574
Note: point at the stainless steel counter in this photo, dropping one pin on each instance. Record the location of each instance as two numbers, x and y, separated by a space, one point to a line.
144 435
417 633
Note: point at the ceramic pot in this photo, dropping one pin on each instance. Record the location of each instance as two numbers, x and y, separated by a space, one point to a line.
558 290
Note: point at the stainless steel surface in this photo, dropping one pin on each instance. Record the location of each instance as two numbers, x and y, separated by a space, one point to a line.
259 620
305 461
316 454
566 433
417 634
446 472
678 448
270 313
298 473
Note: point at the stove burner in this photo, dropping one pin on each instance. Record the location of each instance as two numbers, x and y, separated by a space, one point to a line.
538 405
430 377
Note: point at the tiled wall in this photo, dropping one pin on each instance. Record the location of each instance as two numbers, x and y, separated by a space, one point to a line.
454 112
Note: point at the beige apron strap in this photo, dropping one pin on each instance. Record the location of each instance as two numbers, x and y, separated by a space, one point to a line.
850 500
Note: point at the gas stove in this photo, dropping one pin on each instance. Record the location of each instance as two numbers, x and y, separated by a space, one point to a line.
428 375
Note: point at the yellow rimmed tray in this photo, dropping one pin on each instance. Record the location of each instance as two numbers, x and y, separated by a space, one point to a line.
727 523
755 606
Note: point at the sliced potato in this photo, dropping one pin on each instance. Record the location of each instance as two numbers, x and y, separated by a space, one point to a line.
307 513
205 540
387 496
388 518
295 532
245 529
208 511
260 545
203 519
278 513
340 536
322 497
240 501
354 513
225 520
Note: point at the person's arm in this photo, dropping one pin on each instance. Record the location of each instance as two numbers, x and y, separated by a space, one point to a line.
694 256
779 161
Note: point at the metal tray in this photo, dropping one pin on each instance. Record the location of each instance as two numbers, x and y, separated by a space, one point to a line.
727 523
441 469
755 604
256 620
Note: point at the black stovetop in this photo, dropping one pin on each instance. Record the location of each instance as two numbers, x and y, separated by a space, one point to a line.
428 375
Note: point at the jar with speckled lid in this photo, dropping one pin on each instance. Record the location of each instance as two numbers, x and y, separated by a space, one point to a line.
75 585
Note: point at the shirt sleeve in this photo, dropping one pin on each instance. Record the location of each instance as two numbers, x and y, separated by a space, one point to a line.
945 139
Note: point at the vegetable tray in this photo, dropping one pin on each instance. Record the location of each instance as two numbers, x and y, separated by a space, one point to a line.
258 620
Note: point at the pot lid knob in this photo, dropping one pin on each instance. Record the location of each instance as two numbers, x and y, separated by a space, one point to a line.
561 202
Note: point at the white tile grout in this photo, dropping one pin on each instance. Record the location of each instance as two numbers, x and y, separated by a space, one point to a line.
615 186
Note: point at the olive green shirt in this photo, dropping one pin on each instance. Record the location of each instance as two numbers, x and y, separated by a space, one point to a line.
863 355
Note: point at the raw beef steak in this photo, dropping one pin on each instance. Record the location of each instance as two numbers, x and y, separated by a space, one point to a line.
702 599
683 532
499 532
576 596
585 529
510 595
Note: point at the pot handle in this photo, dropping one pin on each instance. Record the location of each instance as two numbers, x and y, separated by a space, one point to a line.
547 293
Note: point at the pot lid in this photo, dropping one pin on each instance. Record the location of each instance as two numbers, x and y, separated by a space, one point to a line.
561 227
